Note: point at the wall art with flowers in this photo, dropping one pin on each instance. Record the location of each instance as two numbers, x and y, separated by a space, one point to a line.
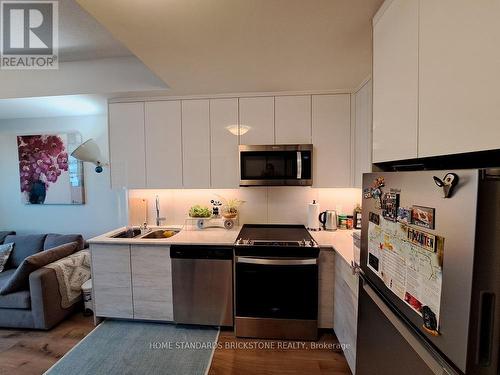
48 174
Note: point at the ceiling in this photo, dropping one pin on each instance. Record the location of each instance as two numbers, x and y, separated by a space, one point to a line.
53 106
227 46
81 37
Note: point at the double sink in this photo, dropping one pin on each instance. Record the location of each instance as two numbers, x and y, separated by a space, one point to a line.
156 234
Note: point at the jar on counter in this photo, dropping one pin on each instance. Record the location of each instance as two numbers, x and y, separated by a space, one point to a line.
350 222
342 221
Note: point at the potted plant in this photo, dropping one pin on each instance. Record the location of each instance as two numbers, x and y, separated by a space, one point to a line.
230 207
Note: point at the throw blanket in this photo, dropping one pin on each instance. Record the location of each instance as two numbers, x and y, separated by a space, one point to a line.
71 272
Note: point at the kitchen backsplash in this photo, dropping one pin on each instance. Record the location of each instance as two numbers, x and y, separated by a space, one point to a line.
276 205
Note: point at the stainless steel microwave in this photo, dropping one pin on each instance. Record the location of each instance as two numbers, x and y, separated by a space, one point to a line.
276 165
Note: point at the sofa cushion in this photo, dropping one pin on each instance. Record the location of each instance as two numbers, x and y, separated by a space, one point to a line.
4 234
20 278
24 246
54 240
5 251
18 300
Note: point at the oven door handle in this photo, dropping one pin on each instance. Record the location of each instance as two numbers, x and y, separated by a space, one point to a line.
277 262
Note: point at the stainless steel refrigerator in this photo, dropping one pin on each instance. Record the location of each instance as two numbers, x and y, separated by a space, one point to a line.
430 273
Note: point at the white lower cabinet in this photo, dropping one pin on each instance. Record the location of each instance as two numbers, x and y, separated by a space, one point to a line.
111 281
345 309
152 282
132 281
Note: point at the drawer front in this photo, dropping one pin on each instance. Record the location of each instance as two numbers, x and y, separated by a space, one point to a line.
346 310
152 282
111 280
113 302
326 280
345 272
147 307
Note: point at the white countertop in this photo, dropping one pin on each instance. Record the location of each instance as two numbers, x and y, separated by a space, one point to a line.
339 240
209 236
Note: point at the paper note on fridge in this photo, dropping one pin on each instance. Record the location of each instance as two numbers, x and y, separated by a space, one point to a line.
409 261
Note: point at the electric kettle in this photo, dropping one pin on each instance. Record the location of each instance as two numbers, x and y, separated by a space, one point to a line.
329 219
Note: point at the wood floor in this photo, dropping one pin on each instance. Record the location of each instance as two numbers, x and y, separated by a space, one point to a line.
28 352
249 357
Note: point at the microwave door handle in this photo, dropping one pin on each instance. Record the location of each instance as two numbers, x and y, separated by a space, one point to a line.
299 165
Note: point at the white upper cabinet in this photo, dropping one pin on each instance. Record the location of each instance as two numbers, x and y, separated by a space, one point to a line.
459 76
362 133
126 143
257 117
163 144
331 137
196 143
395 81
293 119
224 144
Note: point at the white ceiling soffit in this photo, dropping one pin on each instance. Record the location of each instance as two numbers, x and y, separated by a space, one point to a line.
91 61
103 76
81 37
53 106
227 46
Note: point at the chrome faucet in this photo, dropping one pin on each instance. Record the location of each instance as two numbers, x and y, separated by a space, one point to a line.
157 206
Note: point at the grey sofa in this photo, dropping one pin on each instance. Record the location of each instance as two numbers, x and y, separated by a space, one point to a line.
38 307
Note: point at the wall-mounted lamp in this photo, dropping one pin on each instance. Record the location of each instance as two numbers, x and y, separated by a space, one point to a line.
89 151
238 130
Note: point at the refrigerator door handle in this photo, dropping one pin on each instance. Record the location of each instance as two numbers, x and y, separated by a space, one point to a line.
486 328
436 366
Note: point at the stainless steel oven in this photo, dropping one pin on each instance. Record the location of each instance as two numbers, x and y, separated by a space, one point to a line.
276 283
279 165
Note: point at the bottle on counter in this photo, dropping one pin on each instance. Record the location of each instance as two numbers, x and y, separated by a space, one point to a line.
342 221
357 217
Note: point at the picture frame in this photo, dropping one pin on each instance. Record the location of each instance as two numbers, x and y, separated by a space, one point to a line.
48 173
423 216
390 205
404 215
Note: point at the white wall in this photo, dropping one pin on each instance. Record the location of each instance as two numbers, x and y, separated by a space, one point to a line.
104 209
277 205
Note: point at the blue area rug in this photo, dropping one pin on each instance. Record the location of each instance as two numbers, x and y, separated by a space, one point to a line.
125 347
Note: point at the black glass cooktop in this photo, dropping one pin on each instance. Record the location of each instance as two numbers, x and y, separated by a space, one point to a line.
274 233
275 240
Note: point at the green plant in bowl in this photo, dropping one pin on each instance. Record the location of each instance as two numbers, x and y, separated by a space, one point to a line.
200 211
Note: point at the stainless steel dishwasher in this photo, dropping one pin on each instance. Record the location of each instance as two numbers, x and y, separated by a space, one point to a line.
202 278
